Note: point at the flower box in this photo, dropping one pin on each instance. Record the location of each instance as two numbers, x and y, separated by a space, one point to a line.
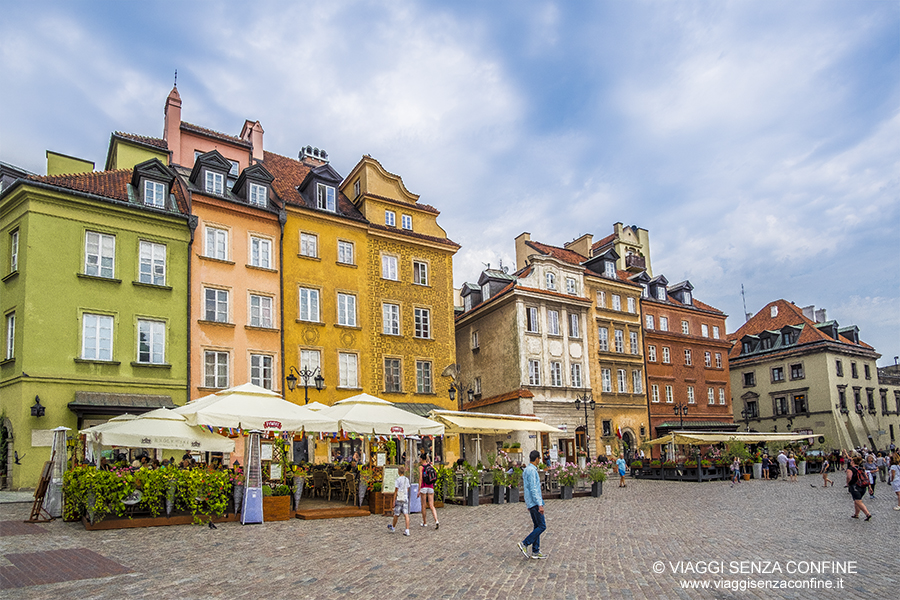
276 508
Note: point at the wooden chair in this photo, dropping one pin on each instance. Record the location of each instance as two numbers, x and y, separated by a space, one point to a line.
320 480
352 489
336 484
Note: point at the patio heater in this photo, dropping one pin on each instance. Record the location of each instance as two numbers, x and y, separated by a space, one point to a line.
53 501
252 509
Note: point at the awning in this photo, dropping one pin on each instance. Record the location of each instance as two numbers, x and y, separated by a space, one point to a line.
105 403
468 422
694 438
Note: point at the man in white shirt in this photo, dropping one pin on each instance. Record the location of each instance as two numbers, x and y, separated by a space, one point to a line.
782 465
401 500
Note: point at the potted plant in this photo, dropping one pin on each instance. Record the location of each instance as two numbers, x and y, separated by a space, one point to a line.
567 475
512 484
471 478
597 474
276 503
499 478
299 481
237 488
636 467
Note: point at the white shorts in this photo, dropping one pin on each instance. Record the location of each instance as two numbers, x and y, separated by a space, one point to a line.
426 490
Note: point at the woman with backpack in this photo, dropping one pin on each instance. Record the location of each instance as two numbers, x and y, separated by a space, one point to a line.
427 479
857 482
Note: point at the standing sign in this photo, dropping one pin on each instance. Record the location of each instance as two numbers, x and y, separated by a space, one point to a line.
381 459
390 480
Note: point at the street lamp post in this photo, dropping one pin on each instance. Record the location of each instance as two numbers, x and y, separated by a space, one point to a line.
584 402
458 388
681 410
305 374
746 414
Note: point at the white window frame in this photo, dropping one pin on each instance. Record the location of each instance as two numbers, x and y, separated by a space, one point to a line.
661 293
664 323
310 359
389 268
475 340
711 396
216 243
606 380
393 373
390 218
390 316
422 320
556 373
603 338
649 321
424 377
14 251
260 252
309 245
235 168
326 197
637 381
632 306
534 372
420 272
152 267
651 353
707 359
308 304
532 322
348 370
617 302
550 280
666 355
722 396
101 262
346 309
688 359
261 311
654 393
346 252
575 369
215 183
718 360
216 379
704 330
715 332
690 395
609 269
94 346
220 299
10 336
620 341
601 299
574 326
633 342
552 322
155 342
670 397
262 369
154 194
406 222
622 381
259 196
571 286
685 327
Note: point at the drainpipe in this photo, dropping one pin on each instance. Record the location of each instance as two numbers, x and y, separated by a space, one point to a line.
282 219
192 224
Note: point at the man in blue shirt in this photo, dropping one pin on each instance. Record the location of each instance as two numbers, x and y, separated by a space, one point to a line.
534 502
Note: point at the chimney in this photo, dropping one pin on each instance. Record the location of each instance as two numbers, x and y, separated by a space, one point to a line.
313 156
810 312
172 126
522 251
820 316
581 245
253 132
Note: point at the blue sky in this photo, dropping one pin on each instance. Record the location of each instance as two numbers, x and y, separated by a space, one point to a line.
758 142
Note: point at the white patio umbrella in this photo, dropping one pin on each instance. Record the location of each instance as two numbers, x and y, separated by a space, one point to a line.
315 406
249 406
160 428
370 415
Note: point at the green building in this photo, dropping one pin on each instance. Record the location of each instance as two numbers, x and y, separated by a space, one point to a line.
94 301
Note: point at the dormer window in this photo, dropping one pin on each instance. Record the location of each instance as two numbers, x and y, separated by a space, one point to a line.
325 198
687 297
485 291
154 194
661 293
215 183
406 221
609 269
645 290
235 168
551 281
258 195
571 286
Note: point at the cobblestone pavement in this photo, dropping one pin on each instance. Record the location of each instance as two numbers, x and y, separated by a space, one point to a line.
598 548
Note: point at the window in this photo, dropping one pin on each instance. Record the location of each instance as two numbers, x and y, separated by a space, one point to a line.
356 189
777 373
637 382
576 375
704 330
477 386
325 197
649 321
96 342
707 359
309 305
99 254
422 322
10 336
215 183
390 314
603 334
839 367
722 398
800 403
601 299
258 198
651 353
715 332
685 328
390 218
235 168
571 286
663 323
345 252
534 372
690 394
347 310
309 245
853 372
667 358
310 360
389 267
14 251
474 340
749 379
154 194
620 341
781 407
260 311
574 326
654 393
616 302
866 371
420 273
423 376
556 373
406 222
606 379
797 371
152 263
711 395
553 322
687 356
661 293
718 360
631 306
752 409
669 396
551 281
531 320
485 291
261 370
623 383
260 252
216 243
347 369
216 305
609 269
215 369
634 342
842 399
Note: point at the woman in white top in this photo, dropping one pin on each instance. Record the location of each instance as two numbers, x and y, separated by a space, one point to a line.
894 477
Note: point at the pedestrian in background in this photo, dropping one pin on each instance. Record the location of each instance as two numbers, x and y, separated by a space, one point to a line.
782 464
534 502
825 466
765 466
871 469
427 479
735 471
620 462
894 477
792 467
856 484
881 462
401 500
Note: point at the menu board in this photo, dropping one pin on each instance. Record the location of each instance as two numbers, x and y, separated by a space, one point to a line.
390 480
275 471
265 452
380 459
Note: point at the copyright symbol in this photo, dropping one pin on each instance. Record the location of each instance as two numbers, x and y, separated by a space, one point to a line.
659 567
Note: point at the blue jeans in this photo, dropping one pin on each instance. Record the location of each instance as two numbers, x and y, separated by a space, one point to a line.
534 538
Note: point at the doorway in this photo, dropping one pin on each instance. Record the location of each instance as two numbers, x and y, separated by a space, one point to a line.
567 450
628 446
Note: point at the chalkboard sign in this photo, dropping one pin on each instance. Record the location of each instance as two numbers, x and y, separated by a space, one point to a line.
390 480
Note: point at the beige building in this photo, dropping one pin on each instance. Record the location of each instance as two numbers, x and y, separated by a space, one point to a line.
792 369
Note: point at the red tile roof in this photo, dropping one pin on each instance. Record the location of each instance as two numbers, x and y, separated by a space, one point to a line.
563 254
231 139
419 205
142 139
513 395
599 244
406 233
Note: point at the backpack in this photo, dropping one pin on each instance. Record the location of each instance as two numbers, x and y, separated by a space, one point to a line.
856 478
429 475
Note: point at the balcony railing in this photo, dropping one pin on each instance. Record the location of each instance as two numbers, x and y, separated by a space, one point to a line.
635 262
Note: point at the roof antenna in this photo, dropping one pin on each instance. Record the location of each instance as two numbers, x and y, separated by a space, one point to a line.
176 77
744 298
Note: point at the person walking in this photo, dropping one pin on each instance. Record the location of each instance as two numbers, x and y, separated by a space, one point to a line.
401 500
782 464
427 479
825 466
894 477
766 463
792 467
871 469
735 471
620 462
856 484
534 502
881 461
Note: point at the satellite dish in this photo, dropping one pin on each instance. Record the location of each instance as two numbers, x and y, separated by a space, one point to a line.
452 370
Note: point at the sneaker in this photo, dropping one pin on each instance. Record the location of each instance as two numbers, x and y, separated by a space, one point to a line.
524 549
406 532
897 508
424 524
538 555
391 528
437 525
